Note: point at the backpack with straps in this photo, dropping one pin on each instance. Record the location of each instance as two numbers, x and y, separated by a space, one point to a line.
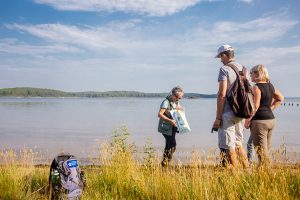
66 179
240 97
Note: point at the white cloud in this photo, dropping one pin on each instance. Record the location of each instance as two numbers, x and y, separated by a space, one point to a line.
259 30
13 46
115 38
125 25
123 37
103 36
148 7
282 64
88 37
246 1
273 55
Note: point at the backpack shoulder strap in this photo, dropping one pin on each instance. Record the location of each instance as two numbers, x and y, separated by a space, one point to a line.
240 74
235 69
244 71
52 166
169 101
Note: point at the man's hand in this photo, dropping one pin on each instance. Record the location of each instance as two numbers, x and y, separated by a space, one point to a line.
216 125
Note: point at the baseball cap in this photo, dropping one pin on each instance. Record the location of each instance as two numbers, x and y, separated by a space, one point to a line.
224 48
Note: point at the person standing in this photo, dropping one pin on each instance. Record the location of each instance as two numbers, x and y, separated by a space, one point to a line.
229 126
266 99
167 125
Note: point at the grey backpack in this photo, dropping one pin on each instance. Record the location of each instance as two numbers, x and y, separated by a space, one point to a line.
66 179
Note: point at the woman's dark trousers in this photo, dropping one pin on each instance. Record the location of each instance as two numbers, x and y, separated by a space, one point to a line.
170 147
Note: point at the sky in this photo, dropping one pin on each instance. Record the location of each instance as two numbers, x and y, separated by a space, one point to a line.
145 45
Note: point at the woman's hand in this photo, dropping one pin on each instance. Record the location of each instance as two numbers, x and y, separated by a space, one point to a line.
179 107
277 99
163 117
247 123
174 122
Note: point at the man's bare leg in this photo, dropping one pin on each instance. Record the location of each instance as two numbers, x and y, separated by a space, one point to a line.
232 159
242 156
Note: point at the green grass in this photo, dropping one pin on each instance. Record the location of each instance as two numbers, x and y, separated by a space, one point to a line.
123 176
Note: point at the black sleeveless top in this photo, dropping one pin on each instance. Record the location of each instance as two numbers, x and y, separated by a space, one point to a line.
264 111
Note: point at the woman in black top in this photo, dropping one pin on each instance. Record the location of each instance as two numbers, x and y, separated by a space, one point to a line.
262 123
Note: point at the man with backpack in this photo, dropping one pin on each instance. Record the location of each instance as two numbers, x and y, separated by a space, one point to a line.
227 123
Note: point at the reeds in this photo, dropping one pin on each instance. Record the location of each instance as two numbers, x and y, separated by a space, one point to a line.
19 178
123 172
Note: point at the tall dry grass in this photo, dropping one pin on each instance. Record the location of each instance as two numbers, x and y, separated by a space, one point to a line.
124 175
20 178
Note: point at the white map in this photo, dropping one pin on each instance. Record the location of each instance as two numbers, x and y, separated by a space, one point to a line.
181 122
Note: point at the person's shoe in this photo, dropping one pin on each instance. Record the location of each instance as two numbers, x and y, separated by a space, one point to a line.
164 163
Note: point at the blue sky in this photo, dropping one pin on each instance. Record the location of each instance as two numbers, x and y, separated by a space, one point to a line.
145 45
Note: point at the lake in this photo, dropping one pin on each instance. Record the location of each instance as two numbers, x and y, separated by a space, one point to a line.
78 125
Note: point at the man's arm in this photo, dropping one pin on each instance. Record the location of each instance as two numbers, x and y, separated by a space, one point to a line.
220 103
221 98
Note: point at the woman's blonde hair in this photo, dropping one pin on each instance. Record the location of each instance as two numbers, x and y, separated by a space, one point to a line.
261 73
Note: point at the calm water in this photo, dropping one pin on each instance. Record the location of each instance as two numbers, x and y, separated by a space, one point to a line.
78 125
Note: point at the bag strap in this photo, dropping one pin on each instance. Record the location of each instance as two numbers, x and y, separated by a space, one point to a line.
52 166
169 100
169 106
237 72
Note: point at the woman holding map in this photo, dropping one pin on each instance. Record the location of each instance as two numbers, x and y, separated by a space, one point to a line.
167 125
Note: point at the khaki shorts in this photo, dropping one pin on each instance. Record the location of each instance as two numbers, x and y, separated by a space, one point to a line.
230 133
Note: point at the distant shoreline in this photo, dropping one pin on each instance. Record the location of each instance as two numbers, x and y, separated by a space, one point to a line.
43 92
28 92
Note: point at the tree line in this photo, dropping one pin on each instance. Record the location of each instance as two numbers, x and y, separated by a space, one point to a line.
43 92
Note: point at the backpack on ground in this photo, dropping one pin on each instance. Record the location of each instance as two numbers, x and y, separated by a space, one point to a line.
66 179
240 97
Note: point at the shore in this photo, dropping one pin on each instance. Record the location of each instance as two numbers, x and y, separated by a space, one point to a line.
183 156
121 172
122 177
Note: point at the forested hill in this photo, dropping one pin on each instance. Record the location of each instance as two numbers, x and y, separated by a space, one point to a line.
40 92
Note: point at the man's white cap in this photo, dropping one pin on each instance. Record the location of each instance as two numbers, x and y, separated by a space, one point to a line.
224 48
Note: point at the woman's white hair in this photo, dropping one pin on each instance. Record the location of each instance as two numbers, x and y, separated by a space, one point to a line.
176 90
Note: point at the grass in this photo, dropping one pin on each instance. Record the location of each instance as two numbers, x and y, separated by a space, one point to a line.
124 175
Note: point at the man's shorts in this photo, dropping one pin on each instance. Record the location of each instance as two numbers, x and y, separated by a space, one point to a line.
231 131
